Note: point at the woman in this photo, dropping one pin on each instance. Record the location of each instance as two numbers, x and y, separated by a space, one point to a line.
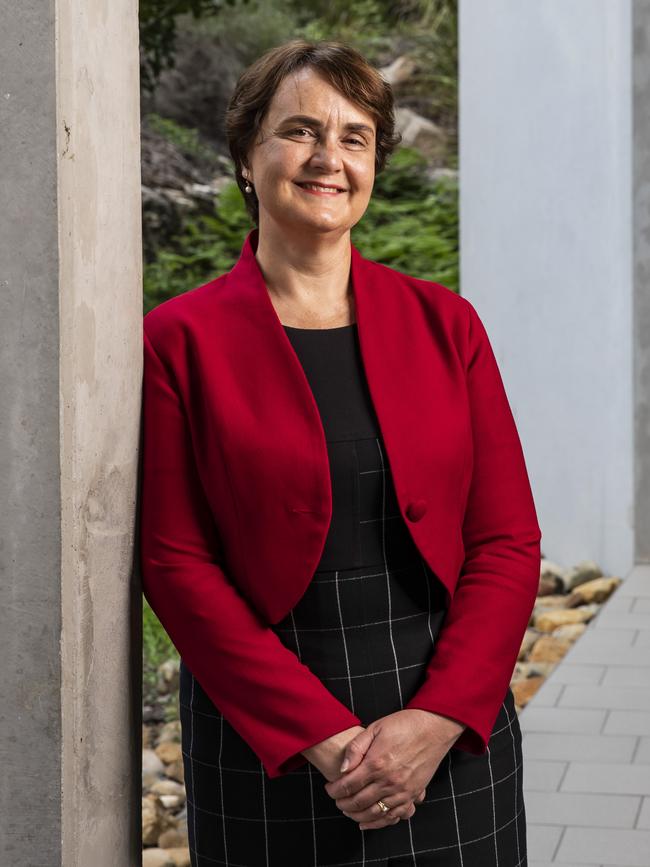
337 530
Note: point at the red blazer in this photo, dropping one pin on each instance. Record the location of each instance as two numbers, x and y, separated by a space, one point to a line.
236 496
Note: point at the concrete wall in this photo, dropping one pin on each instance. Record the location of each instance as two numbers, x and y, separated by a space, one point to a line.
641 263
550 163
70 337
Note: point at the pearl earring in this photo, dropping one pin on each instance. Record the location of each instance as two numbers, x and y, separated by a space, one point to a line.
248 187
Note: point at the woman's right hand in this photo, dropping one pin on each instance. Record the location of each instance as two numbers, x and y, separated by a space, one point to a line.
327 756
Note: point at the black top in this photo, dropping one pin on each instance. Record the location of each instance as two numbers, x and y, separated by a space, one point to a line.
331 358
363 497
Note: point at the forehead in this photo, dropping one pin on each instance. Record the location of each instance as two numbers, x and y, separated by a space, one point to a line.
307 92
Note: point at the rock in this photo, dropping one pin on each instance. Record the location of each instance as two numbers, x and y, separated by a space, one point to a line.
157 858
399 71
550 585
171 802
168 788
551 601
420 133
171 731
570 631
175 771
585 570
441 173
152 768
180 856
534 667
172 839
153 713
154 820
147 737
549 649
551 571
596 590
530 637
169 752
547 621
169 671
523 690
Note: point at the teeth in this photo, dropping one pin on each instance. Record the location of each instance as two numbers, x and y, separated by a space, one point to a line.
318 187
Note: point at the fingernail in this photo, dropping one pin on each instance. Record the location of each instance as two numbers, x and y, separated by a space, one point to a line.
345 765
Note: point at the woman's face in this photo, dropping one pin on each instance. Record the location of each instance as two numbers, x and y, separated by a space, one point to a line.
311 132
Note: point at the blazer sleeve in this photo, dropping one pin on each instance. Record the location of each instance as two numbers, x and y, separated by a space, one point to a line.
477 647
275 702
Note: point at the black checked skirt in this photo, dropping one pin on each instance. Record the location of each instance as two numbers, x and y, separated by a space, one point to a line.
368 633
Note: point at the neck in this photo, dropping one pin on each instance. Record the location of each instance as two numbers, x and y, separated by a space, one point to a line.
307 277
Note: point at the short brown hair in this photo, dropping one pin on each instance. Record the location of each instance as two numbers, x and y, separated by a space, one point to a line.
340 64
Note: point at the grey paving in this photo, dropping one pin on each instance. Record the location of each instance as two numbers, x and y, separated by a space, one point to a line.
586 742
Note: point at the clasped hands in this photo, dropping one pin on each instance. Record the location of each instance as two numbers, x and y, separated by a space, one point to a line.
391 760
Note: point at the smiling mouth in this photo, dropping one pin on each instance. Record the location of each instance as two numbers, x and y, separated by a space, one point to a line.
319 188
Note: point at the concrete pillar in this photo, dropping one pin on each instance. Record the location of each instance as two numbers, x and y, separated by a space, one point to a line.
70 339
555 244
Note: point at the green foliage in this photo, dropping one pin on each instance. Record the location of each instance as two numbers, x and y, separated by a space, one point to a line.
207 247
411 224
188 141
156 648
158 32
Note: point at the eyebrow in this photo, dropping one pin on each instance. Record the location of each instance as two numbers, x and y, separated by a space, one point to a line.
303 118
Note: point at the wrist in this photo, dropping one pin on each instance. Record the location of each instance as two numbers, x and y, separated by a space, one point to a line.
450 728
331 747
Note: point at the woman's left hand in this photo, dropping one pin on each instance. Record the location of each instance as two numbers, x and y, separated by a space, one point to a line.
392 760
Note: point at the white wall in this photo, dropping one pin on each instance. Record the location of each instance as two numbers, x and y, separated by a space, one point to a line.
546 251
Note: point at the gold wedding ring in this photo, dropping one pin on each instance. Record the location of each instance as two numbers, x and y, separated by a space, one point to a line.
384 808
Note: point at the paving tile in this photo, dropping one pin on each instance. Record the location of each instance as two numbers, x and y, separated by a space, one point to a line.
567 672
627 722
614 697
607 778
586 742
607 846
554 864
559 746
548 694
599 653
643 822
618 602
642 640
582 808
612 619
612 637
542 841
565 719
542 776
629 675
637 583
642 755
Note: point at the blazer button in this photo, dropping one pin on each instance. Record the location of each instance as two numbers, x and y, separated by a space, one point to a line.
416 509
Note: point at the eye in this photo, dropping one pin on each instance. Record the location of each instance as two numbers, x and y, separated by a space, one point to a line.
301 129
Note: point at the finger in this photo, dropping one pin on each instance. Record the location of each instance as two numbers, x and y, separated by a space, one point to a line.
379 823
401 807
365 799
355 750
420 797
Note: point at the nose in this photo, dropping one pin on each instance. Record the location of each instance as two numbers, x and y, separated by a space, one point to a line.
326 155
